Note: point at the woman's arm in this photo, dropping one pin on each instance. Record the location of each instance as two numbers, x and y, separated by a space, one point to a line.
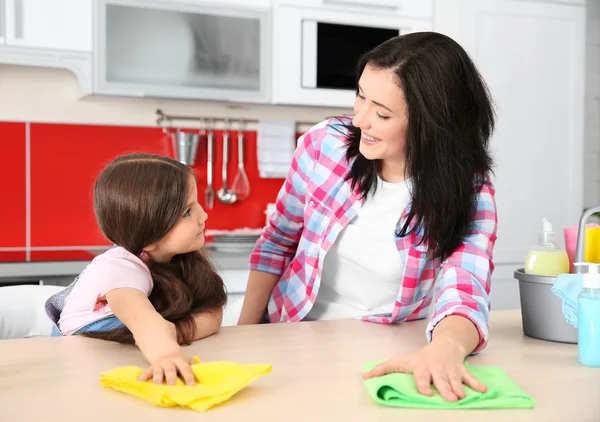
465 279
258 291
279 240
456 331
459 324
156 337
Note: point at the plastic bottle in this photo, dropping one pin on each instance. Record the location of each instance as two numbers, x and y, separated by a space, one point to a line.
547 258
588 319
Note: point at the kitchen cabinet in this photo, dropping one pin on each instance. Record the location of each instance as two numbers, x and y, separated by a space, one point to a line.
236 280
195 50
232 310
13 185
57 24
2 23
532 56
407 8
44 33
62 214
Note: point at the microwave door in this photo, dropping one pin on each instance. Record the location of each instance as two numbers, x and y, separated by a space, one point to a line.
330 52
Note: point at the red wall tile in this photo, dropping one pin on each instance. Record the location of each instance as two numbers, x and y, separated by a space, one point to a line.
12 185
63 255
12 256
66 159
246 213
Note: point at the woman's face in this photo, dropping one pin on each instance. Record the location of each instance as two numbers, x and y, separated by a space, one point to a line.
381 114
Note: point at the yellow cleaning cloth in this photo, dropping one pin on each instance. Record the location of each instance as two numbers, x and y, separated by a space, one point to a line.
216 382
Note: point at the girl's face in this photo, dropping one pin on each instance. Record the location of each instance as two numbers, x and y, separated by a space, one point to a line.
381 113
187 235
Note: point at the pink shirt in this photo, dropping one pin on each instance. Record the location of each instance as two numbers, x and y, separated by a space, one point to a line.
114 269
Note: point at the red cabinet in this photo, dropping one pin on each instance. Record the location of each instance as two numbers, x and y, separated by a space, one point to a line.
13 199
53 167
65 161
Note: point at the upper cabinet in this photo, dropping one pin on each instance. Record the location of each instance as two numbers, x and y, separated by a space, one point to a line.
316 49
56 24
532 57
288 52
48 33
195 50
2 22
408 8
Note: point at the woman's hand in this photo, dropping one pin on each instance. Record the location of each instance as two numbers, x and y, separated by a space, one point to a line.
167 367
439 363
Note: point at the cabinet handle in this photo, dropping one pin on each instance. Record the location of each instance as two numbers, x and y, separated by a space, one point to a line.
358 3
18 19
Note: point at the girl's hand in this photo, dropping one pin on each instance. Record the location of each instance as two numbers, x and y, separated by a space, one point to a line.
167 368
438 363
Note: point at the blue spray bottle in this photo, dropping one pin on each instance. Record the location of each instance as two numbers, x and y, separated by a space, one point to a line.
588 325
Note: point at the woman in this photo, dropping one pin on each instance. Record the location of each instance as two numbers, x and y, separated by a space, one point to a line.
376 208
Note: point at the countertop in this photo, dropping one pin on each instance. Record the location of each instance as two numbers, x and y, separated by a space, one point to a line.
315 377
226 263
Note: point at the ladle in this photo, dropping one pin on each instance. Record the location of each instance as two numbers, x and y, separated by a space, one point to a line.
224 194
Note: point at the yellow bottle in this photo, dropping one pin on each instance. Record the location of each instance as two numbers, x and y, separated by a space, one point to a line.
547 258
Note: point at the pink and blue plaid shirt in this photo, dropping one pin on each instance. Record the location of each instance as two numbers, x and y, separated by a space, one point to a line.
313 206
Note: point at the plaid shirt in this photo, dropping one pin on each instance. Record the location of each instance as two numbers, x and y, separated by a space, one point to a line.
315 203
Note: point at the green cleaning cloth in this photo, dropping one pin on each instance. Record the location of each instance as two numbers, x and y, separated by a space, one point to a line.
400 390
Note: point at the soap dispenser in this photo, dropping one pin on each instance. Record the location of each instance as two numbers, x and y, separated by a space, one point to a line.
547 258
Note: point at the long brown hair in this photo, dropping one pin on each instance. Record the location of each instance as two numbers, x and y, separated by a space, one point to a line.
138 198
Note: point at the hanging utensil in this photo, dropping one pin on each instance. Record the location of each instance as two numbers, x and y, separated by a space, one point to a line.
225 195
241 184
186 145
209 192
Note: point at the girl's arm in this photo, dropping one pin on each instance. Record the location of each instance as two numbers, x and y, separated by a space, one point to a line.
156 337
206 323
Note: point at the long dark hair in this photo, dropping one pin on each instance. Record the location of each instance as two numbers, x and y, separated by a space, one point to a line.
138 198
450 121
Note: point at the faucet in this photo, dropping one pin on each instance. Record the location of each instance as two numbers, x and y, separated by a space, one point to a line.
579 264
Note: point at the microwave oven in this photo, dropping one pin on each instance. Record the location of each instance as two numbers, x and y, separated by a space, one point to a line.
316 51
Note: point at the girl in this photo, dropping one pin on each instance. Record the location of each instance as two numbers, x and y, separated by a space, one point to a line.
154 288
379 206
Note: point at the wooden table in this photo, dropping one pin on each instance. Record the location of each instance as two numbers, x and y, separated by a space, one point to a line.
315 377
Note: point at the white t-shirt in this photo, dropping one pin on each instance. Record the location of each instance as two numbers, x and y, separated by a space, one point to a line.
362 271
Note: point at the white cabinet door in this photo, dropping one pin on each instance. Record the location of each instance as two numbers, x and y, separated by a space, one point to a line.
420 9
531 55
188 50
49 24
2 23
233 309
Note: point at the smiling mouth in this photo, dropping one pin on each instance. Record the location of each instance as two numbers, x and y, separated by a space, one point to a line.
369 139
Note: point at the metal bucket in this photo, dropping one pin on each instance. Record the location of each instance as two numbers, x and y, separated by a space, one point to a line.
185 146
541 310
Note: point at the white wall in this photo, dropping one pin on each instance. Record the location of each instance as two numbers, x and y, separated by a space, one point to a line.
53 95
592 107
